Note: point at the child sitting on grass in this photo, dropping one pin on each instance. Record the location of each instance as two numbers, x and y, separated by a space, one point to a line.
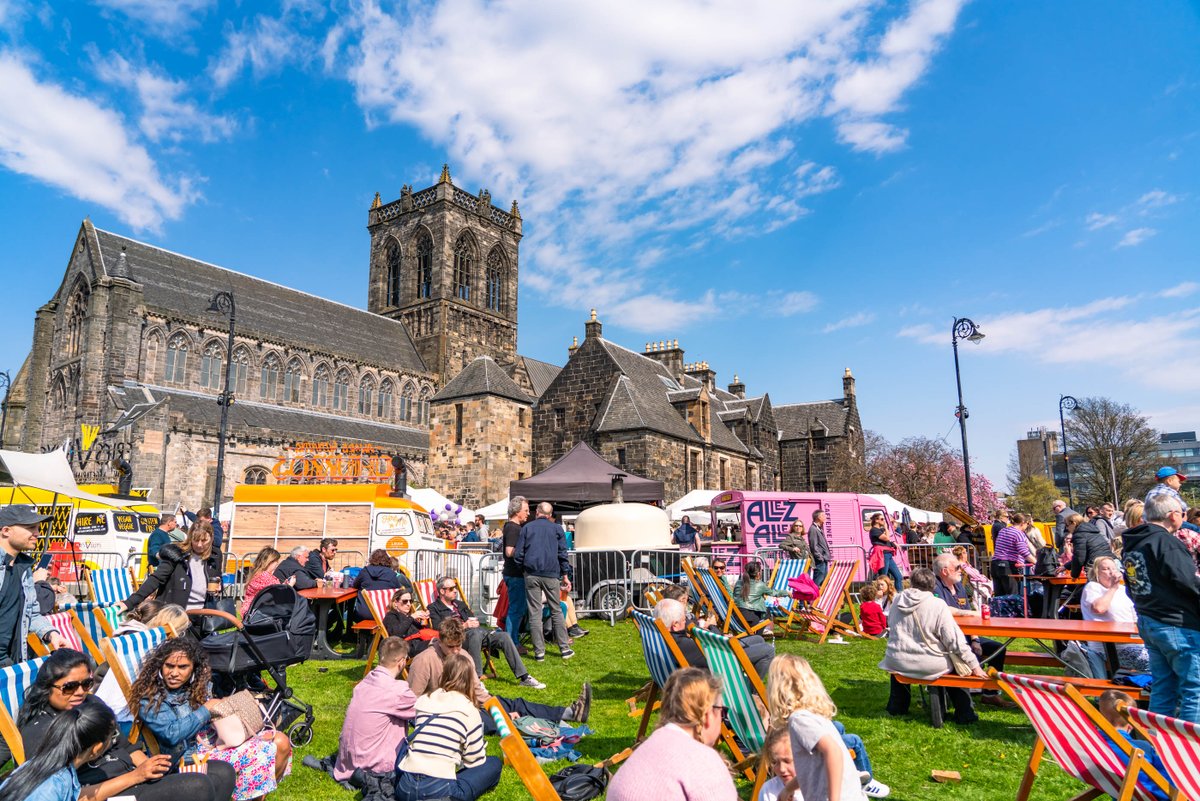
887 593
870 613
1109 706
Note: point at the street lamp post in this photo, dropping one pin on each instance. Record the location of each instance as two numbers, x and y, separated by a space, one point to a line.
1066 403
6 384
222 303
964 329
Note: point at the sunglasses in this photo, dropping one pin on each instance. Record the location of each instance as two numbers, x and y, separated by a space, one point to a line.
719 568
70 687
448 587
404 601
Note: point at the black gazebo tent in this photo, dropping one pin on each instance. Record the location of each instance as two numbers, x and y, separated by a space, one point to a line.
582 478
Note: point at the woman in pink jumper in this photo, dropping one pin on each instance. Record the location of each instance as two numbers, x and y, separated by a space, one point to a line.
677 762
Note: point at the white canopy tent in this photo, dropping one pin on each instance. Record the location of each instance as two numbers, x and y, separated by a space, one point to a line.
696 506
50 472
435 501
495 511
896 507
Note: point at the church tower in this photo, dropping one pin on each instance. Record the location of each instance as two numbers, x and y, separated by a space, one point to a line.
444 262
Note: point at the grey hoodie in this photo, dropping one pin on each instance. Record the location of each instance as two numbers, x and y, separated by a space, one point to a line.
921 632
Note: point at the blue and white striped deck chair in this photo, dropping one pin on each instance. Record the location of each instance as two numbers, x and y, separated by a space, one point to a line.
718 599
109 585
100 621
663 658
741 685
784 569
15 681
125 654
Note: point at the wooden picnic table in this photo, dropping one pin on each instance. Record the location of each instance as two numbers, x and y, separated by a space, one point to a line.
1054 588
326 599
1049 633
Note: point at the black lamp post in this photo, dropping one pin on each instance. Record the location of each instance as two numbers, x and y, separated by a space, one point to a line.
6 383
964 329
1066 403
222 303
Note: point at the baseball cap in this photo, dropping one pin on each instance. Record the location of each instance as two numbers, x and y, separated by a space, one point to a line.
1167 472
21 515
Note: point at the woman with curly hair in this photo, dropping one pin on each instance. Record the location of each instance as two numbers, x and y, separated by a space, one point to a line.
62 684
148 615
187 573
172 699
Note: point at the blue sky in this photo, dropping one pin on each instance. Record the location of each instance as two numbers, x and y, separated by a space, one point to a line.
788 189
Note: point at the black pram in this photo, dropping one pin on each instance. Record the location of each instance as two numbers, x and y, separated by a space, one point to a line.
277 631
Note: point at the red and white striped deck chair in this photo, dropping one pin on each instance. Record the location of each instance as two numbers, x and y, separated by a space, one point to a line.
1075 732
821 616
71 627
426 592
378 601
1178 745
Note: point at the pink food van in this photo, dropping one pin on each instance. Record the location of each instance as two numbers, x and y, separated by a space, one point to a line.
766 517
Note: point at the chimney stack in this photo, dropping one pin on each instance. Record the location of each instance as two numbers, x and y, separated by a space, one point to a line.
592 328
737 387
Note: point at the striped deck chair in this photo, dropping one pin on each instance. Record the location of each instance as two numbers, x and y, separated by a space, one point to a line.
784 569
1074 732
662 657
378 601
717 599
110 585
821 616
741 687
1178 745
125 654
426 592
100 621
519 757
15 681
72 628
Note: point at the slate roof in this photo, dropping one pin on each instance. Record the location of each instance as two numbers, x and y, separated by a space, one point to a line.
178 285
203 409
541 374
795 420
482 377
753 405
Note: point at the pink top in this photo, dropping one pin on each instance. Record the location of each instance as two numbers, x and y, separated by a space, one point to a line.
374 725
671 765
257 585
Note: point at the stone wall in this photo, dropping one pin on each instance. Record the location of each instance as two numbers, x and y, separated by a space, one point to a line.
495 448
568 410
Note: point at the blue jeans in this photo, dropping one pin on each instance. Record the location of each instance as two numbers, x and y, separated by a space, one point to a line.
516 606
890 568
855 744
819 571
1175 665
469 785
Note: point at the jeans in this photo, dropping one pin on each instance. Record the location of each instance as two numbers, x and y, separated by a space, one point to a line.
819 571
519 706
1175 665
480 638
891 569
855 743
469 784
543 591
516 606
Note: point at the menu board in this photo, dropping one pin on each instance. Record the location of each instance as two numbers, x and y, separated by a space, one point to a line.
125 522
91 523
148 523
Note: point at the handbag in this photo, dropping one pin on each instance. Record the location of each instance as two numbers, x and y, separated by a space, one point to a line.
579 782
241 717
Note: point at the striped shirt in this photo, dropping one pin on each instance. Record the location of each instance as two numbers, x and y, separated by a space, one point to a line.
448 732
1012 545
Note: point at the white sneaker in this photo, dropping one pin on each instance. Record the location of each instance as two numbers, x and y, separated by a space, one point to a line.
530 681
875 789
864 777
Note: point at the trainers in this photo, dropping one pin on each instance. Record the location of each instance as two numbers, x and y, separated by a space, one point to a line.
864 777
875 789
581 707
578 631
540 657
530 681
567 653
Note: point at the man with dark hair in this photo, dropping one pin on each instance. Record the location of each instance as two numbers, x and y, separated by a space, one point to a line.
205 515
320 561
542 553
160 537
381 706
426 670
514 575
449 605
20 614
818 547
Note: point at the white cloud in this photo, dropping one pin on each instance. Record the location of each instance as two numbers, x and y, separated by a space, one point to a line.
853 321
264 46
1136 237
73 143
625 133
1095 221
1156 198
1180 291
1049 225
161 17
165 113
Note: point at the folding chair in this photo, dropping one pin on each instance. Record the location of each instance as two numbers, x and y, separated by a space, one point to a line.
378 601
516 752
822 615
715 596
784 569
71 627
125 654
1178 745
663 658
15 681
741 686
1074 732
109 586
426 591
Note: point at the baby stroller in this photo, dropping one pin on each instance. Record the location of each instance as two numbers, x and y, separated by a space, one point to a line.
277 631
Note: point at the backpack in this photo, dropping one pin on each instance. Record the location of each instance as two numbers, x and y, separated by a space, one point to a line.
1047 562
538 729
1076 661
579 782
804 588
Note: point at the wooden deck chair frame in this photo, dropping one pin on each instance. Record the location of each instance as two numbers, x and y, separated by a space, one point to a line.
716 597
104 615
649 626
823 612
517 754
71 617
429 586
15 679
1124 784
109 599
378 611
125 681
1177 742
742 686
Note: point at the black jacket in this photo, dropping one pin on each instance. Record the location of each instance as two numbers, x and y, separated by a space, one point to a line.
171 581
691 652
315 566
291 567
1088 544
1160 576
438 612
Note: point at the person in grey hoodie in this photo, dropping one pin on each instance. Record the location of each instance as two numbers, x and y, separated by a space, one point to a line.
921 636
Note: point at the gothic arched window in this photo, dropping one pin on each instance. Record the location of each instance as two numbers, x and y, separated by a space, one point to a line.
255 475
424 265
269 385
495 281
366 393
341 391
423 406
241 372
320 393
291 381
58 395
176 362
407 397
77 309
391 259
210 366
464 262
384 408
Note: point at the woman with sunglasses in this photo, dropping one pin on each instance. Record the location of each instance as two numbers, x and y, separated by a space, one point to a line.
678 762
62 684
402 621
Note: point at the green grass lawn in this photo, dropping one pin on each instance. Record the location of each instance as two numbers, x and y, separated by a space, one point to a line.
991 755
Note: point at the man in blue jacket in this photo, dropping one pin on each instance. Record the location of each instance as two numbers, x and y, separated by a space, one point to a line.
542 553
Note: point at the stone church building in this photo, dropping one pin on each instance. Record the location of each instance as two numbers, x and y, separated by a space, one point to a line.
429 370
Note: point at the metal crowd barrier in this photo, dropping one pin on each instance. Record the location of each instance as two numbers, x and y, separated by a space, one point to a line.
430 564
488 578
923 554
602 584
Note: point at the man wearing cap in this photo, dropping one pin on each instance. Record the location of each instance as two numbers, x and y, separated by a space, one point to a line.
1169 482
19 610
